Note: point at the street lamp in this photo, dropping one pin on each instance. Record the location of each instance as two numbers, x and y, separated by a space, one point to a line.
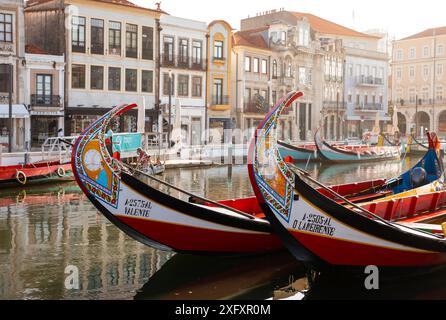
170 108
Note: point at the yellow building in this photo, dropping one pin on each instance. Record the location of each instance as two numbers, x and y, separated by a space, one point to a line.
218 91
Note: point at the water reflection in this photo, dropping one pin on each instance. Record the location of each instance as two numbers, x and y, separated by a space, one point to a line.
186 277
345 286
43 232
47 228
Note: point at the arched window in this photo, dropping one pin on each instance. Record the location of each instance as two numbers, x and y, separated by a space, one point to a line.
288 68
275 69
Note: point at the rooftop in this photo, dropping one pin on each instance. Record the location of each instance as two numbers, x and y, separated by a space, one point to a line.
251 38
428 33
327 27
126 3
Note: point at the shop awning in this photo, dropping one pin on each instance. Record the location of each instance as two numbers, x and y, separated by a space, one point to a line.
19 111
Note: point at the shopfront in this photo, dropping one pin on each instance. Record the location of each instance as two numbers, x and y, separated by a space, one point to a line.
45 125
20 127
77 120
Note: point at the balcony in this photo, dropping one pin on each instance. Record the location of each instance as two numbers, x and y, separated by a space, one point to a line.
369 107
334 105
183 62
286 81
252 107
38 100
421 102
220 100
369 81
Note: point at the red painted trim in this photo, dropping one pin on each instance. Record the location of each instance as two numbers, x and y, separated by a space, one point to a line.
194 239
344 253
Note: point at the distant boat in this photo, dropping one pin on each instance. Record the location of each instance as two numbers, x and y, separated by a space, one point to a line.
340 154
303 153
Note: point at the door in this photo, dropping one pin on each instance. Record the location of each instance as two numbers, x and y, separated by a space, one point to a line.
44 89
196 131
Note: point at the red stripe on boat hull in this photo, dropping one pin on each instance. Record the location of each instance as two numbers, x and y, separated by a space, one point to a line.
188 239
356 254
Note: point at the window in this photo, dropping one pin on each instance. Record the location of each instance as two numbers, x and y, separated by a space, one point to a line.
166 84
131 50
114 79
426 70
412 53
399 55
412 72
197 52
183 51
274 97
97 36
439 69
5 27
439 93
248 64
131 80
358 70
4 78
256 65
302 75
289 69
425 93
264 66
96 78
147 43
44 89
196 87
218 50
218 92
440 50
78 76
114 38
147 81
425 52
247 95
399 74
283 37
412 95
358 99
78 34
264 94
275 69
168 50
350 97
183 85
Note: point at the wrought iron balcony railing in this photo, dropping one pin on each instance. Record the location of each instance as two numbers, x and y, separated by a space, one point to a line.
38 100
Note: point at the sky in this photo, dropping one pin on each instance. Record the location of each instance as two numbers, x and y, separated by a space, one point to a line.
400 18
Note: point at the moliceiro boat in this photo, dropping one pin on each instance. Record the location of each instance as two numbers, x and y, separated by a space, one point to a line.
302 153
148 211
402 230
341 154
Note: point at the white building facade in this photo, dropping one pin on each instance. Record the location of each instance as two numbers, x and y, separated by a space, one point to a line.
183 59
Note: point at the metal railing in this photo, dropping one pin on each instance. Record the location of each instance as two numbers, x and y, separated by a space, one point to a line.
369 107
183 62
370 80
334 105
38 100
220 100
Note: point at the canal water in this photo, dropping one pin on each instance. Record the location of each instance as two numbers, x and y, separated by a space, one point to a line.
48 231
